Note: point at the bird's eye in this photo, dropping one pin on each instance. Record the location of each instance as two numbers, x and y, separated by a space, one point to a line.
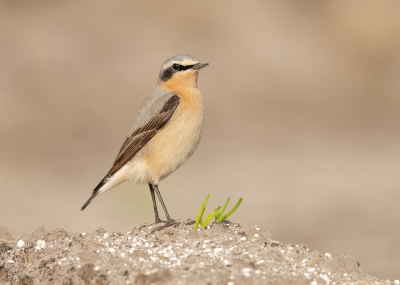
176 67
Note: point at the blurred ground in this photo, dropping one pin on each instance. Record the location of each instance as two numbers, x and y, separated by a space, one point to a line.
302 116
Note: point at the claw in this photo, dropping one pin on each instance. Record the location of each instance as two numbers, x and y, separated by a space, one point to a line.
169 223
190 222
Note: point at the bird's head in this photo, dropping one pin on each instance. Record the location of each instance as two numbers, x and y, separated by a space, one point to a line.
179 71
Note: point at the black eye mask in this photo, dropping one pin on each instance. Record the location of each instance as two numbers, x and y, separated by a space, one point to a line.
167 74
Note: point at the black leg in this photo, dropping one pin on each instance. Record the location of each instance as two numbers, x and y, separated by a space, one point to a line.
155 188
153 197
170 222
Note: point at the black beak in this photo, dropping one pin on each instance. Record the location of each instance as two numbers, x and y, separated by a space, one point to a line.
199 65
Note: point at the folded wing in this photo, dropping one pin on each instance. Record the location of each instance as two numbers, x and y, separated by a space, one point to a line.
138 138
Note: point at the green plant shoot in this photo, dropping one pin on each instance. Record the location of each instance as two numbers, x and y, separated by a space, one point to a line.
219 217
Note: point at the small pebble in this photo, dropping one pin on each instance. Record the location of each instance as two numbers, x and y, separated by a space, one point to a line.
246 271
40 244
218 250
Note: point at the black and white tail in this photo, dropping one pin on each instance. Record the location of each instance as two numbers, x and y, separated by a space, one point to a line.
95 192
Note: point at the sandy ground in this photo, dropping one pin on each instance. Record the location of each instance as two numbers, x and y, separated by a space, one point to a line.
224 253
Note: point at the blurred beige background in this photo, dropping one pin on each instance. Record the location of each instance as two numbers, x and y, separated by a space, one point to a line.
302 116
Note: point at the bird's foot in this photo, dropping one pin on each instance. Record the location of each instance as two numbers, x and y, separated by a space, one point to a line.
169 223
189 222
159 221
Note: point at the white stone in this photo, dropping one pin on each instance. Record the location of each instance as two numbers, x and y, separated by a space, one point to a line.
246 271
325 277
218 250
40 244
20 243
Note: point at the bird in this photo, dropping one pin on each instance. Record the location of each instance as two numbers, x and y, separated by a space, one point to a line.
166 132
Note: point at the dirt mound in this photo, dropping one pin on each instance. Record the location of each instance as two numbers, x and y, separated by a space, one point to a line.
224 253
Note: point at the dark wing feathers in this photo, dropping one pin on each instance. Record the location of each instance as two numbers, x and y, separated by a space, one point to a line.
136 140
143 134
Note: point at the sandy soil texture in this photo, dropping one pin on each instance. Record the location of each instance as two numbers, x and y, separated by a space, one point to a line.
224 253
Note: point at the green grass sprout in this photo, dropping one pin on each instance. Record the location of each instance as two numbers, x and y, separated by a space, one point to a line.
231 211
210 216
222 212
201 212
217 214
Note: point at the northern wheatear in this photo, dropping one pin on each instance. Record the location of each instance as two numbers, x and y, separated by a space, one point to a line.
165 134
